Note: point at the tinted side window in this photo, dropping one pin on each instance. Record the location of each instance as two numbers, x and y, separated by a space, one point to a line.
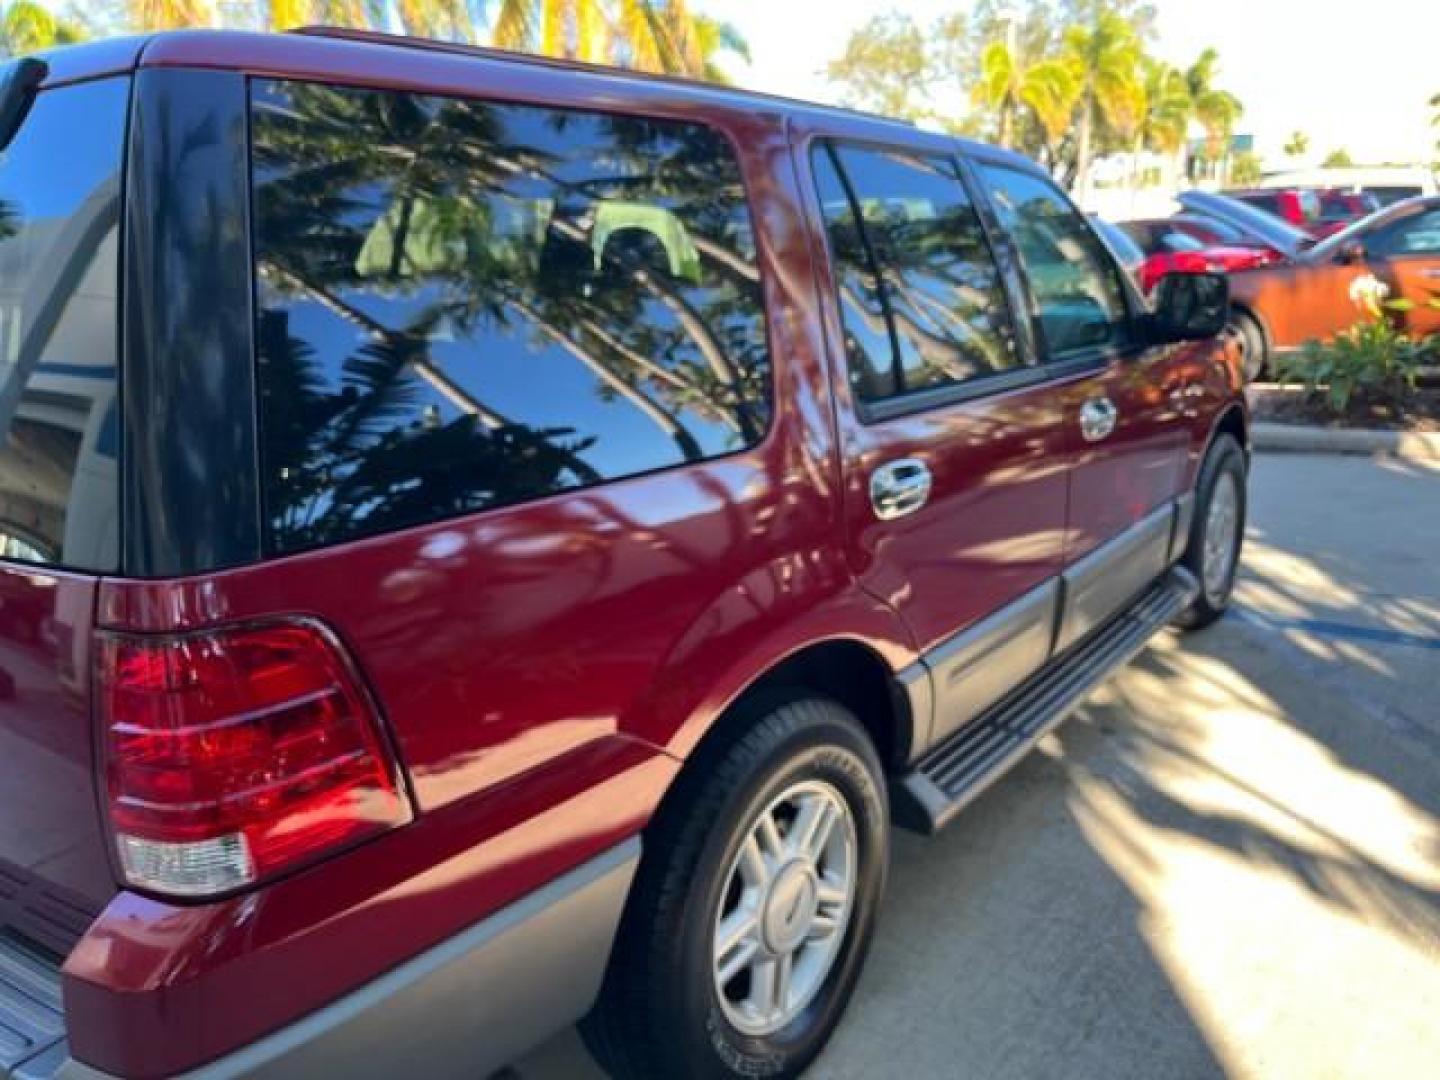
1074 279
938 283
1416 234
465 304
59 277
869 348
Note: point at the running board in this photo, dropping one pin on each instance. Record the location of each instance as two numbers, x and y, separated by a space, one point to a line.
947 778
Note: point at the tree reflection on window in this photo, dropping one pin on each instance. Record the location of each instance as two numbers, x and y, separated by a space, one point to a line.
466 305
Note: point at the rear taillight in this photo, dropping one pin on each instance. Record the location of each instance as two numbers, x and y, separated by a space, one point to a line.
236 754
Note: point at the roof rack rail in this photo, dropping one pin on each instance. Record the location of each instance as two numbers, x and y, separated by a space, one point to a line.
489 52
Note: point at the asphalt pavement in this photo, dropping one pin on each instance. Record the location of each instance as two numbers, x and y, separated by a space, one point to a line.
1226 864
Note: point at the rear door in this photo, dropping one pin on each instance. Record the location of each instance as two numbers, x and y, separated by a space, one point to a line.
1120 419
59 273
952 437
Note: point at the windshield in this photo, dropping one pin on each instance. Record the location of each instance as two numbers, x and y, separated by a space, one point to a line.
59 278
1259 225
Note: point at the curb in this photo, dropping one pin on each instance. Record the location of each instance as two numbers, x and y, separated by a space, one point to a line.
1300 439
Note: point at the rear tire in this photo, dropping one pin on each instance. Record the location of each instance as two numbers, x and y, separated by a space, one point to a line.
680 1000
1217 532
1254 354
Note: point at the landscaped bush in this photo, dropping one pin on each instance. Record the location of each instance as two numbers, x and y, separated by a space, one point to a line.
1374 363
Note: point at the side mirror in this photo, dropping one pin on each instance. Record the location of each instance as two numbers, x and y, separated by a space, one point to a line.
1189 307
1352 251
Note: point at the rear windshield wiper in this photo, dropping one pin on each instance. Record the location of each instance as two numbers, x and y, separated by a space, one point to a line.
19 79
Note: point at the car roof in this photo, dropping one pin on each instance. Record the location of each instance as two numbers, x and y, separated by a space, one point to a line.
372 58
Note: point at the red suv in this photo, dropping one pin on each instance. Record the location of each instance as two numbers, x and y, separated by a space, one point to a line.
489 543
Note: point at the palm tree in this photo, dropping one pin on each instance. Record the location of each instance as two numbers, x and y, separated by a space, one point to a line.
644 34
1166 120
1051 92
1107 53
446 19
27 27
1217 110
1003 72
169 14
714 38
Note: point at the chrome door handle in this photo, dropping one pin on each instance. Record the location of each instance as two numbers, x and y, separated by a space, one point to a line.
899 487
1097 418
1434 273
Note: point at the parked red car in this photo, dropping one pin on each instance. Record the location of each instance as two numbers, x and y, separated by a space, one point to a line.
1319 211
496 538
1162 249
1212 232
1299 206
1340 207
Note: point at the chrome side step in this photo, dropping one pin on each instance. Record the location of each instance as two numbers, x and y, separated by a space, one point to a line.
946 779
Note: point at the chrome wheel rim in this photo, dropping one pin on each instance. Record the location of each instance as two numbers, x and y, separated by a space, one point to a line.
1222 536
788 898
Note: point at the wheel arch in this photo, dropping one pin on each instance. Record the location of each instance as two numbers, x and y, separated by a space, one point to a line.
847 670
1232 421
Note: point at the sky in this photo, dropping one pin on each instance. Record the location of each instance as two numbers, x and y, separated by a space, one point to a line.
1352 75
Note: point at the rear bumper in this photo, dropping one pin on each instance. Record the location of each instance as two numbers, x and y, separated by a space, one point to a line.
463 1008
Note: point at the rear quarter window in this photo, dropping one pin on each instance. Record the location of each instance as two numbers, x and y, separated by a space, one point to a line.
465 304
59 312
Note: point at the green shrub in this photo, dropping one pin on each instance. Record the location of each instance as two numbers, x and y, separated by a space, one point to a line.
1374 361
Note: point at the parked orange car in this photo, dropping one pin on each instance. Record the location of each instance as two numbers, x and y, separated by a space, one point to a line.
1280 307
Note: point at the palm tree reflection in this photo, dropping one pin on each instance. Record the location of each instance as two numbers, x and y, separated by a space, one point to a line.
452 238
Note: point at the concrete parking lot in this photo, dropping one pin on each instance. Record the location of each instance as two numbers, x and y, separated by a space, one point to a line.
1227 864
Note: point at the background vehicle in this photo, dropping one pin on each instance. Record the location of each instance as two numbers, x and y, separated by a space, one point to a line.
1255 225
558 503
1174 250
1281 307
1299 206
1340 206
1212 232
1386 183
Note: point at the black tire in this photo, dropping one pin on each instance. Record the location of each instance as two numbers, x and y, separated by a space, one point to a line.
660 1014
1254 351
1224 462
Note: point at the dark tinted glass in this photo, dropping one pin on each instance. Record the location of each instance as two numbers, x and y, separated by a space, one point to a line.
1074 278
869 349
466 304
1414 234
940 286
59 275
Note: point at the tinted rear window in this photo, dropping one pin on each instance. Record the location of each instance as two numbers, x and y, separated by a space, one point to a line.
59 310
465 304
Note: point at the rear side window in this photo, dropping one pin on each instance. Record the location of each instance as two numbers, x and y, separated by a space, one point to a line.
921 298
1075 280
465 304
59 276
